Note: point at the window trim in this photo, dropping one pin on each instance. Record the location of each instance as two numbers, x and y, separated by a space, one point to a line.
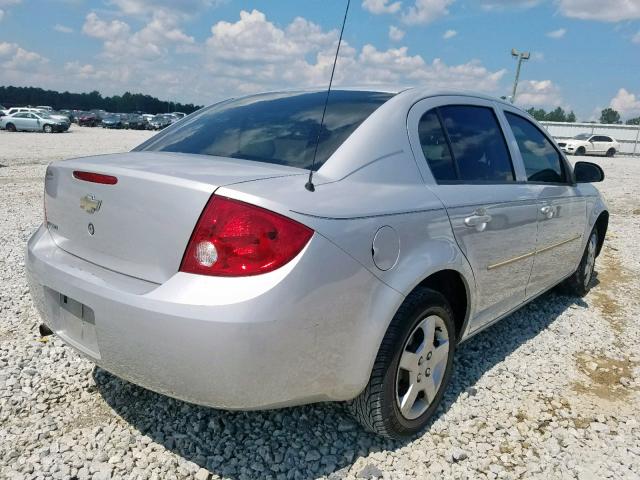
566 169
456 166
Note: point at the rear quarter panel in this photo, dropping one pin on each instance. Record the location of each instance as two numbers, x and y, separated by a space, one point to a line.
349 213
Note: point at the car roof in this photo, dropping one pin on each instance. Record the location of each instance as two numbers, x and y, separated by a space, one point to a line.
412 94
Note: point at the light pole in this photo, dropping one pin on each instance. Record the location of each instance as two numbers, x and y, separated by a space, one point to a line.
521 56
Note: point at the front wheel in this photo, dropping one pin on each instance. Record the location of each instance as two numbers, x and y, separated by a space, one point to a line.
412 368
611 152
47 129
580 151
580 282
11 127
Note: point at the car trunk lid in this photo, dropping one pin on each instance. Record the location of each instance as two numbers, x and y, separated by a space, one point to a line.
141 225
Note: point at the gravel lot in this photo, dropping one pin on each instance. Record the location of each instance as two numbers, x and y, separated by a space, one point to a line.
551 392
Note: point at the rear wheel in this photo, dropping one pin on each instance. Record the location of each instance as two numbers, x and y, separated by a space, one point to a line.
412 369
580 151
47 129
11 127
611 152
580 282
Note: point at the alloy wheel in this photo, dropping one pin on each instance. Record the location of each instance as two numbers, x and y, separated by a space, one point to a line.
422 366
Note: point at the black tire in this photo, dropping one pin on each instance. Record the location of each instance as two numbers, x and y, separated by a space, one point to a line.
580 282
11 127
611 152
376 408
47 129
580 151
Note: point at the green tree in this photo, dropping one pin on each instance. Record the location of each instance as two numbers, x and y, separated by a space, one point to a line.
557 115
609 115
633 121
537 113
128 102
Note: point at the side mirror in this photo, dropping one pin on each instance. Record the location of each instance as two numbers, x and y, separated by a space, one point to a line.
587 172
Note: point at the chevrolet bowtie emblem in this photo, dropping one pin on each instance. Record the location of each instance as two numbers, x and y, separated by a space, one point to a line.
90 204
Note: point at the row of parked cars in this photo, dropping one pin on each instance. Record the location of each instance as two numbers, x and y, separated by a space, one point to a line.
45 119
135 121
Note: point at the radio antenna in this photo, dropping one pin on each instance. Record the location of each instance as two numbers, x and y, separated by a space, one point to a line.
309 185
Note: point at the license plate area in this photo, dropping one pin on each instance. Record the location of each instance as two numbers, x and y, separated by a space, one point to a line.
76 325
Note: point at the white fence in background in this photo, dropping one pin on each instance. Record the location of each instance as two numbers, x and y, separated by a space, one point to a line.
627 135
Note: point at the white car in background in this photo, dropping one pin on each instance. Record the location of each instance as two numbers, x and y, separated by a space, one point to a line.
587 144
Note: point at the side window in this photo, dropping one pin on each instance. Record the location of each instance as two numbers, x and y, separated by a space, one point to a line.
435 147
478 146
542 162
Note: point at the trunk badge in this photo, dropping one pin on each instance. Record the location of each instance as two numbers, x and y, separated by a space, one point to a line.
92 229
90 204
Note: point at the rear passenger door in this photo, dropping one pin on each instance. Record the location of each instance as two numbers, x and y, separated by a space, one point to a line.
602 144
561 208
21 121
461 149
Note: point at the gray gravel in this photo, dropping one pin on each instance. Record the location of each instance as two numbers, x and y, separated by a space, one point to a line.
551 392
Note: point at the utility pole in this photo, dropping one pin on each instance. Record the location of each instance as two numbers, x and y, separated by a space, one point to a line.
522 57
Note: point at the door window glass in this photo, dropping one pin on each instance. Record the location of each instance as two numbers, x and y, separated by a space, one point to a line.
542 161
478 145
435 148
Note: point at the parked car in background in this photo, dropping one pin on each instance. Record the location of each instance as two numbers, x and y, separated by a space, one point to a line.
589 144
432 216
160 121
69 114
33 122
179 114
88 119
13 110
134 121
46 108
58 116
54 115
113 120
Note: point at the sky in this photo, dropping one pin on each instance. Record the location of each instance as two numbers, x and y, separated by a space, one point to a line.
585 54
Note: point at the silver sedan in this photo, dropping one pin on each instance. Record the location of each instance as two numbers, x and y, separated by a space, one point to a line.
251 256
33 122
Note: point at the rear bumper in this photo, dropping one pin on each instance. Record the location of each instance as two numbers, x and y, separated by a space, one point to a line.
304 333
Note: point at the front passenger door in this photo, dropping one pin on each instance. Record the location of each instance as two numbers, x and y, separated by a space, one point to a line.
596 144
561 208
33 122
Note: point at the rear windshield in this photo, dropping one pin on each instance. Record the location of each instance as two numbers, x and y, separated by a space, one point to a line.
279 128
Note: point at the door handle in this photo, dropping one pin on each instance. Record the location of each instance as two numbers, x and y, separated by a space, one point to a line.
548 211
479 222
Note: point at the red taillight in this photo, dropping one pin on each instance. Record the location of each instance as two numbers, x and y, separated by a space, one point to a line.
95 177
235 239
